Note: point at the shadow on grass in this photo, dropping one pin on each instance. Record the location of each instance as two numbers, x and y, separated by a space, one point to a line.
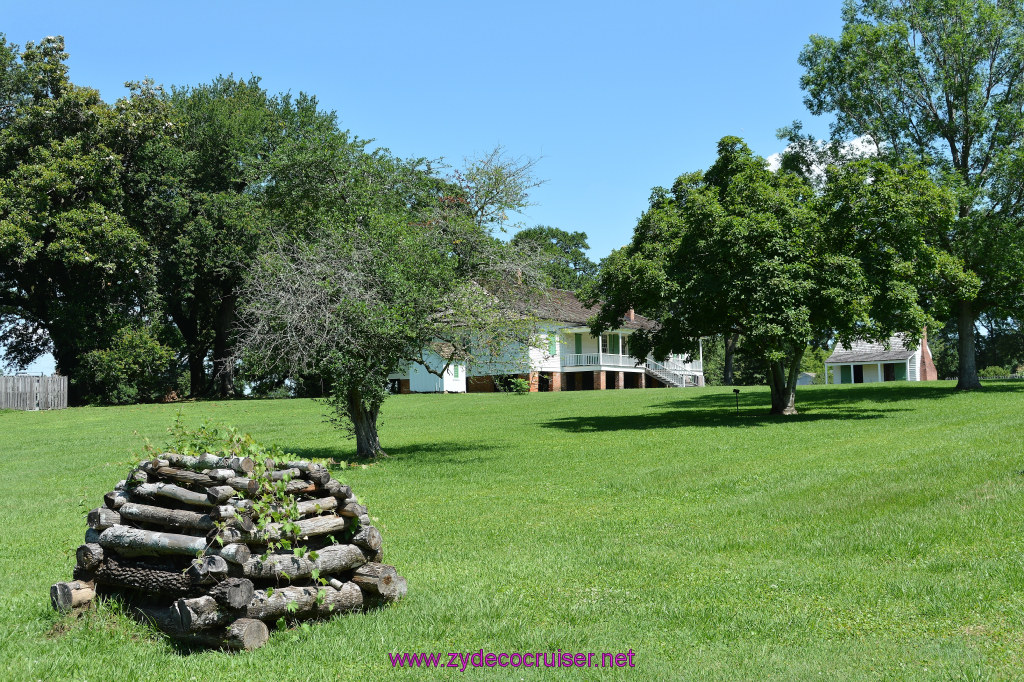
435 453
859 402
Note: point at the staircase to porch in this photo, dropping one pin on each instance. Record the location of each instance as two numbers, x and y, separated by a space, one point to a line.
668 376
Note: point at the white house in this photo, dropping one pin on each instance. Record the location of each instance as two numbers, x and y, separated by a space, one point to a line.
866 362
569 359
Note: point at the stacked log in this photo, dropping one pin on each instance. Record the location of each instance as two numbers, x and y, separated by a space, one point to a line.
213 549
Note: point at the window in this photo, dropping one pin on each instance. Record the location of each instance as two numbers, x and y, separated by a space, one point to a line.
604 343
625 345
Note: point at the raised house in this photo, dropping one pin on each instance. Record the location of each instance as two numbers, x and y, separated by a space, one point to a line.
568 358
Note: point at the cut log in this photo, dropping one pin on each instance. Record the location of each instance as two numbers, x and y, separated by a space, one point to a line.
368 538
374 577
154 579
115 498
219 494
67 596
388 594
233 593
334 488
316 473
310 527
351 510
89 555
102 518
92 536
237 553
136 542
241 465
244 485
149 491
244 634
186 476
175 519
220 474
306 602
330 560
317 506
282 474
208 568
137 476
299 487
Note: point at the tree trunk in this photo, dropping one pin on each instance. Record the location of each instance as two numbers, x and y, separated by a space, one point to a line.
223 363
967 379
783 385
731 340
364 423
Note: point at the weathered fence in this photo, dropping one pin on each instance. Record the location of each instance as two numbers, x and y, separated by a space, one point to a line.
33 393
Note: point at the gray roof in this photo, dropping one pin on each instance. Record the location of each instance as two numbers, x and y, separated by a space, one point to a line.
867 351
563 306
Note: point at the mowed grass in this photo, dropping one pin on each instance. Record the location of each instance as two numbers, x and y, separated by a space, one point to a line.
877 535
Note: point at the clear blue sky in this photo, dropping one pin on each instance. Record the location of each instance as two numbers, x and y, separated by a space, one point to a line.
615 98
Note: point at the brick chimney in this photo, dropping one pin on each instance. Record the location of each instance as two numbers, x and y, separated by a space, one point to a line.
927 369
631 316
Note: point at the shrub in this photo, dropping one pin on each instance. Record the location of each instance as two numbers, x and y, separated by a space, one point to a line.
135 368
994 371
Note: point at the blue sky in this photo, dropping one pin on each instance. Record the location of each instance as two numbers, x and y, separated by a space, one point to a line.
614 98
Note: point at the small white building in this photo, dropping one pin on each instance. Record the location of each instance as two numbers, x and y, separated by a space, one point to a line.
567 358
868 362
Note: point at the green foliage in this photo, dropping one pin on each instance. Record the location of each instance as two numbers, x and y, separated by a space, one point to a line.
994 371
939 82
740 249
562 255
135 368
519 385
73 270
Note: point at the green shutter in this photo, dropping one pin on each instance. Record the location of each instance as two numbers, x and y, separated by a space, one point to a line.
552 345
613 346
456 369
901 371
844 375
579 343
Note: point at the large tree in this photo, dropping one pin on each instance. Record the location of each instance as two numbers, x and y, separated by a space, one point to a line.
392 261
941 81
73 269
562 255
739 249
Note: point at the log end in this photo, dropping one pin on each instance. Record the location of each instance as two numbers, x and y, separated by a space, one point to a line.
247 634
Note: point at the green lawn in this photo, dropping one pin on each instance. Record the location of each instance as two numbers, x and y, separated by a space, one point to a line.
877 535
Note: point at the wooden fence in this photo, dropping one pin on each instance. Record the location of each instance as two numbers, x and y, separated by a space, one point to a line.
33 393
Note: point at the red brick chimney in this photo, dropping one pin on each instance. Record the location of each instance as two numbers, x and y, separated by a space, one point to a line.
927 369
631 316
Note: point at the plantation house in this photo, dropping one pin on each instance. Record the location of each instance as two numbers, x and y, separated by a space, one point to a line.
865 362
568 358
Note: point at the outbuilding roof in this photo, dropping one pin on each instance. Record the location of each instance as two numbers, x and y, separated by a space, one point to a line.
868 351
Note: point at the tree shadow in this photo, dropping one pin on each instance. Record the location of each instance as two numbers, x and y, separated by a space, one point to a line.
838 403
435 453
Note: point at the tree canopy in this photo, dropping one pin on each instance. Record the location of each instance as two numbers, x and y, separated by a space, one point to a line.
941 83
739 249
562 255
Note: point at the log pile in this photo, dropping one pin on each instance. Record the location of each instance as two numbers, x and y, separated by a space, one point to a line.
212 549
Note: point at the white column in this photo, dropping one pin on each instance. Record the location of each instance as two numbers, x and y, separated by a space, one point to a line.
881 377
826 375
